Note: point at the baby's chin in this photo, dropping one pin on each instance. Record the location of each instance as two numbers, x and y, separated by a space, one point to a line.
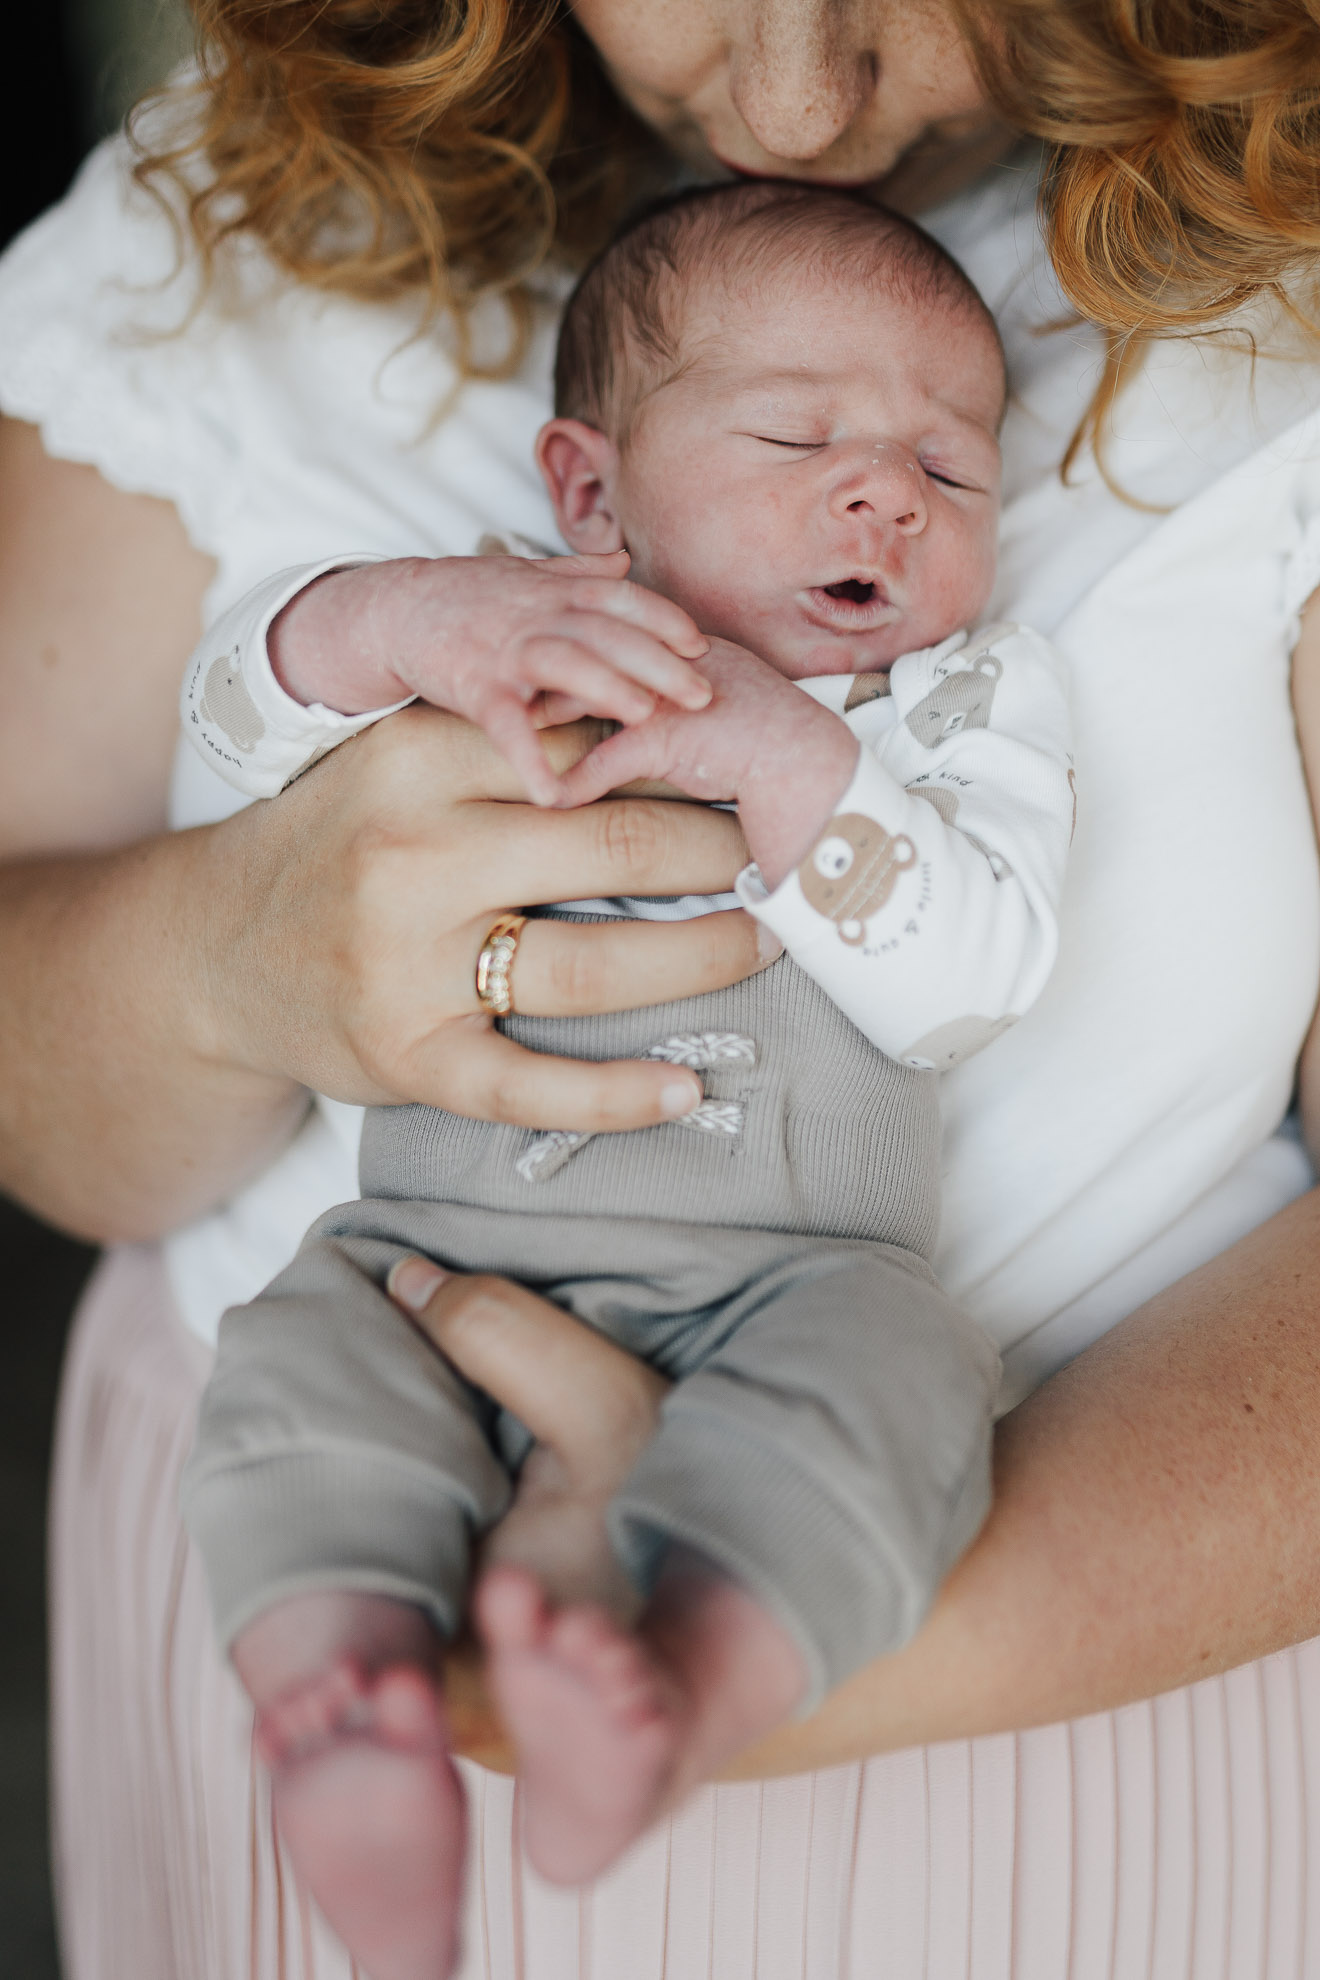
800 660
807 655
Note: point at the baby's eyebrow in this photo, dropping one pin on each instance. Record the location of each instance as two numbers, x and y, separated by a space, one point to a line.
800 382
789 379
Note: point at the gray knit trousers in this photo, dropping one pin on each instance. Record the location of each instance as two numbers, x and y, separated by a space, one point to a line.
827 1438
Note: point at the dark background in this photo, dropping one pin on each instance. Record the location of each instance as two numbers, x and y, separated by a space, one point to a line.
70 73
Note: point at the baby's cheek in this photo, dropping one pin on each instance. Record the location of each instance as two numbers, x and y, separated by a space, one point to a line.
964 576
704 572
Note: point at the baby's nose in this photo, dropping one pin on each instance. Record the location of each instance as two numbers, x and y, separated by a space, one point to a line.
880 481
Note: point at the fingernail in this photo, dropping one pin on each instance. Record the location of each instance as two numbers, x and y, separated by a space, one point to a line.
682 1096
413 1281
769 948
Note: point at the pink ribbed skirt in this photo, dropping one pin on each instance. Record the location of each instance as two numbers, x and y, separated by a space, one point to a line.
1178 1840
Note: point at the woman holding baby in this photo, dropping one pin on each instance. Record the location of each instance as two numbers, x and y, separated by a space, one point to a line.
1115 1155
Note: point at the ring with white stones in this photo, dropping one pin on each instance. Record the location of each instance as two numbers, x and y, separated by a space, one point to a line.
495 964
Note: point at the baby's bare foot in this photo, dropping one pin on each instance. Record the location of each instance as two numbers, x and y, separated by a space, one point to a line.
371 1812
598 1725
556 1529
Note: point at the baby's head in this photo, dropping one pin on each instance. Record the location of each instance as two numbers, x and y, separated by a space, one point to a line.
784 401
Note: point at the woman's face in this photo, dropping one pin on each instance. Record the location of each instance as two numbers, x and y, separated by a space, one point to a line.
852 92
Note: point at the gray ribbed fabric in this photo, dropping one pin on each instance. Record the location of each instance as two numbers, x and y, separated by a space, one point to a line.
838 1141
828 1438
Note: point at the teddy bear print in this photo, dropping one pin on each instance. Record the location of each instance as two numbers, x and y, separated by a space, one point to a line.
866 687
949 1044
227 704
960 701
944 800
852 870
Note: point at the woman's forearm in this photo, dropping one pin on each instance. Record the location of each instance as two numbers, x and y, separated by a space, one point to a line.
1156 1519
165 1005
117 1118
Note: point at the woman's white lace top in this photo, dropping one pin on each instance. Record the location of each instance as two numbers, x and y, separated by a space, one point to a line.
1123 1130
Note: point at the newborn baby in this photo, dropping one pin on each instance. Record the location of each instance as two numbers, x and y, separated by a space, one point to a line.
783 403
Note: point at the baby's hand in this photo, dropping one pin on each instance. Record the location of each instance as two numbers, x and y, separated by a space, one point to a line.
509 642
761 742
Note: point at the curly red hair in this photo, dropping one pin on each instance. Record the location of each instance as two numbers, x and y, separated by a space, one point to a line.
381 147
1182 179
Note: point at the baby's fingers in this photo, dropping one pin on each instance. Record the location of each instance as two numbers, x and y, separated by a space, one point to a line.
554 711
619 760
640 655
622 599
565 666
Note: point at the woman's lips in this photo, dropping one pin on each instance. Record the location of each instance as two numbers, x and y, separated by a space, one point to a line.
797 178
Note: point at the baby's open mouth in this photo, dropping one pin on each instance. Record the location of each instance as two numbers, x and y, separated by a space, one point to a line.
850 605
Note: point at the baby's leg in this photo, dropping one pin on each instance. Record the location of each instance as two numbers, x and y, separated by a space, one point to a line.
351 1723
612 1728
831 1455
338 1452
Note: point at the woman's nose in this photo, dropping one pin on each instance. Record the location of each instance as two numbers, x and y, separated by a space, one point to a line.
882 482
799 72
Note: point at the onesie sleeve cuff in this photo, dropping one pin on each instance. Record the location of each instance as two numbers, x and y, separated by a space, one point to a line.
873 793
236 714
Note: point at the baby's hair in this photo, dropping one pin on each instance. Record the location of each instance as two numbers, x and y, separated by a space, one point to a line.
622 331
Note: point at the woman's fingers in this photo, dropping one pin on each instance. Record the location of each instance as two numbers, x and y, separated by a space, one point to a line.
579 1394
491 1079
576 969
620 846
472 766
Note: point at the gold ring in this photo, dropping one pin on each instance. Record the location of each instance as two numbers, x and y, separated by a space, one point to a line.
495 964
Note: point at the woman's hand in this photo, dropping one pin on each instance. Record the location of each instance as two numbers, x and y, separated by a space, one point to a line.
349 913
592 1409
497 639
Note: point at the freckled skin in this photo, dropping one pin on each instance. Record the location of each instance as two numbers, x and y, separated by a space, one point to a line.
878 92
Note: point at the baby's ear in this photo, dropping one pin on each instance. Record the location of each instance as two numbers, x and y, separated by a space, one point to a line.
578 464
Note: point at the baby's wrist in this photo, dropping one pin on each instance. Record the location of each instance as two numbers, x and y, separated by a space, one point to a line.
329 644
784 811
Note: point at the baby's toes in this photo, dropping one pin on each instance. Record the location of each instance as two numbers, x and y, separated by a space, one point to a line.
305 1718
406 1709
585 1636
616 1667
510 1610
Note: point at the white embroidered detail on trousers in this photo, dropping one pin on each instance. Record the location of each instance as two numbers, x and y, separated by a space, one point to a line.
699 1050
